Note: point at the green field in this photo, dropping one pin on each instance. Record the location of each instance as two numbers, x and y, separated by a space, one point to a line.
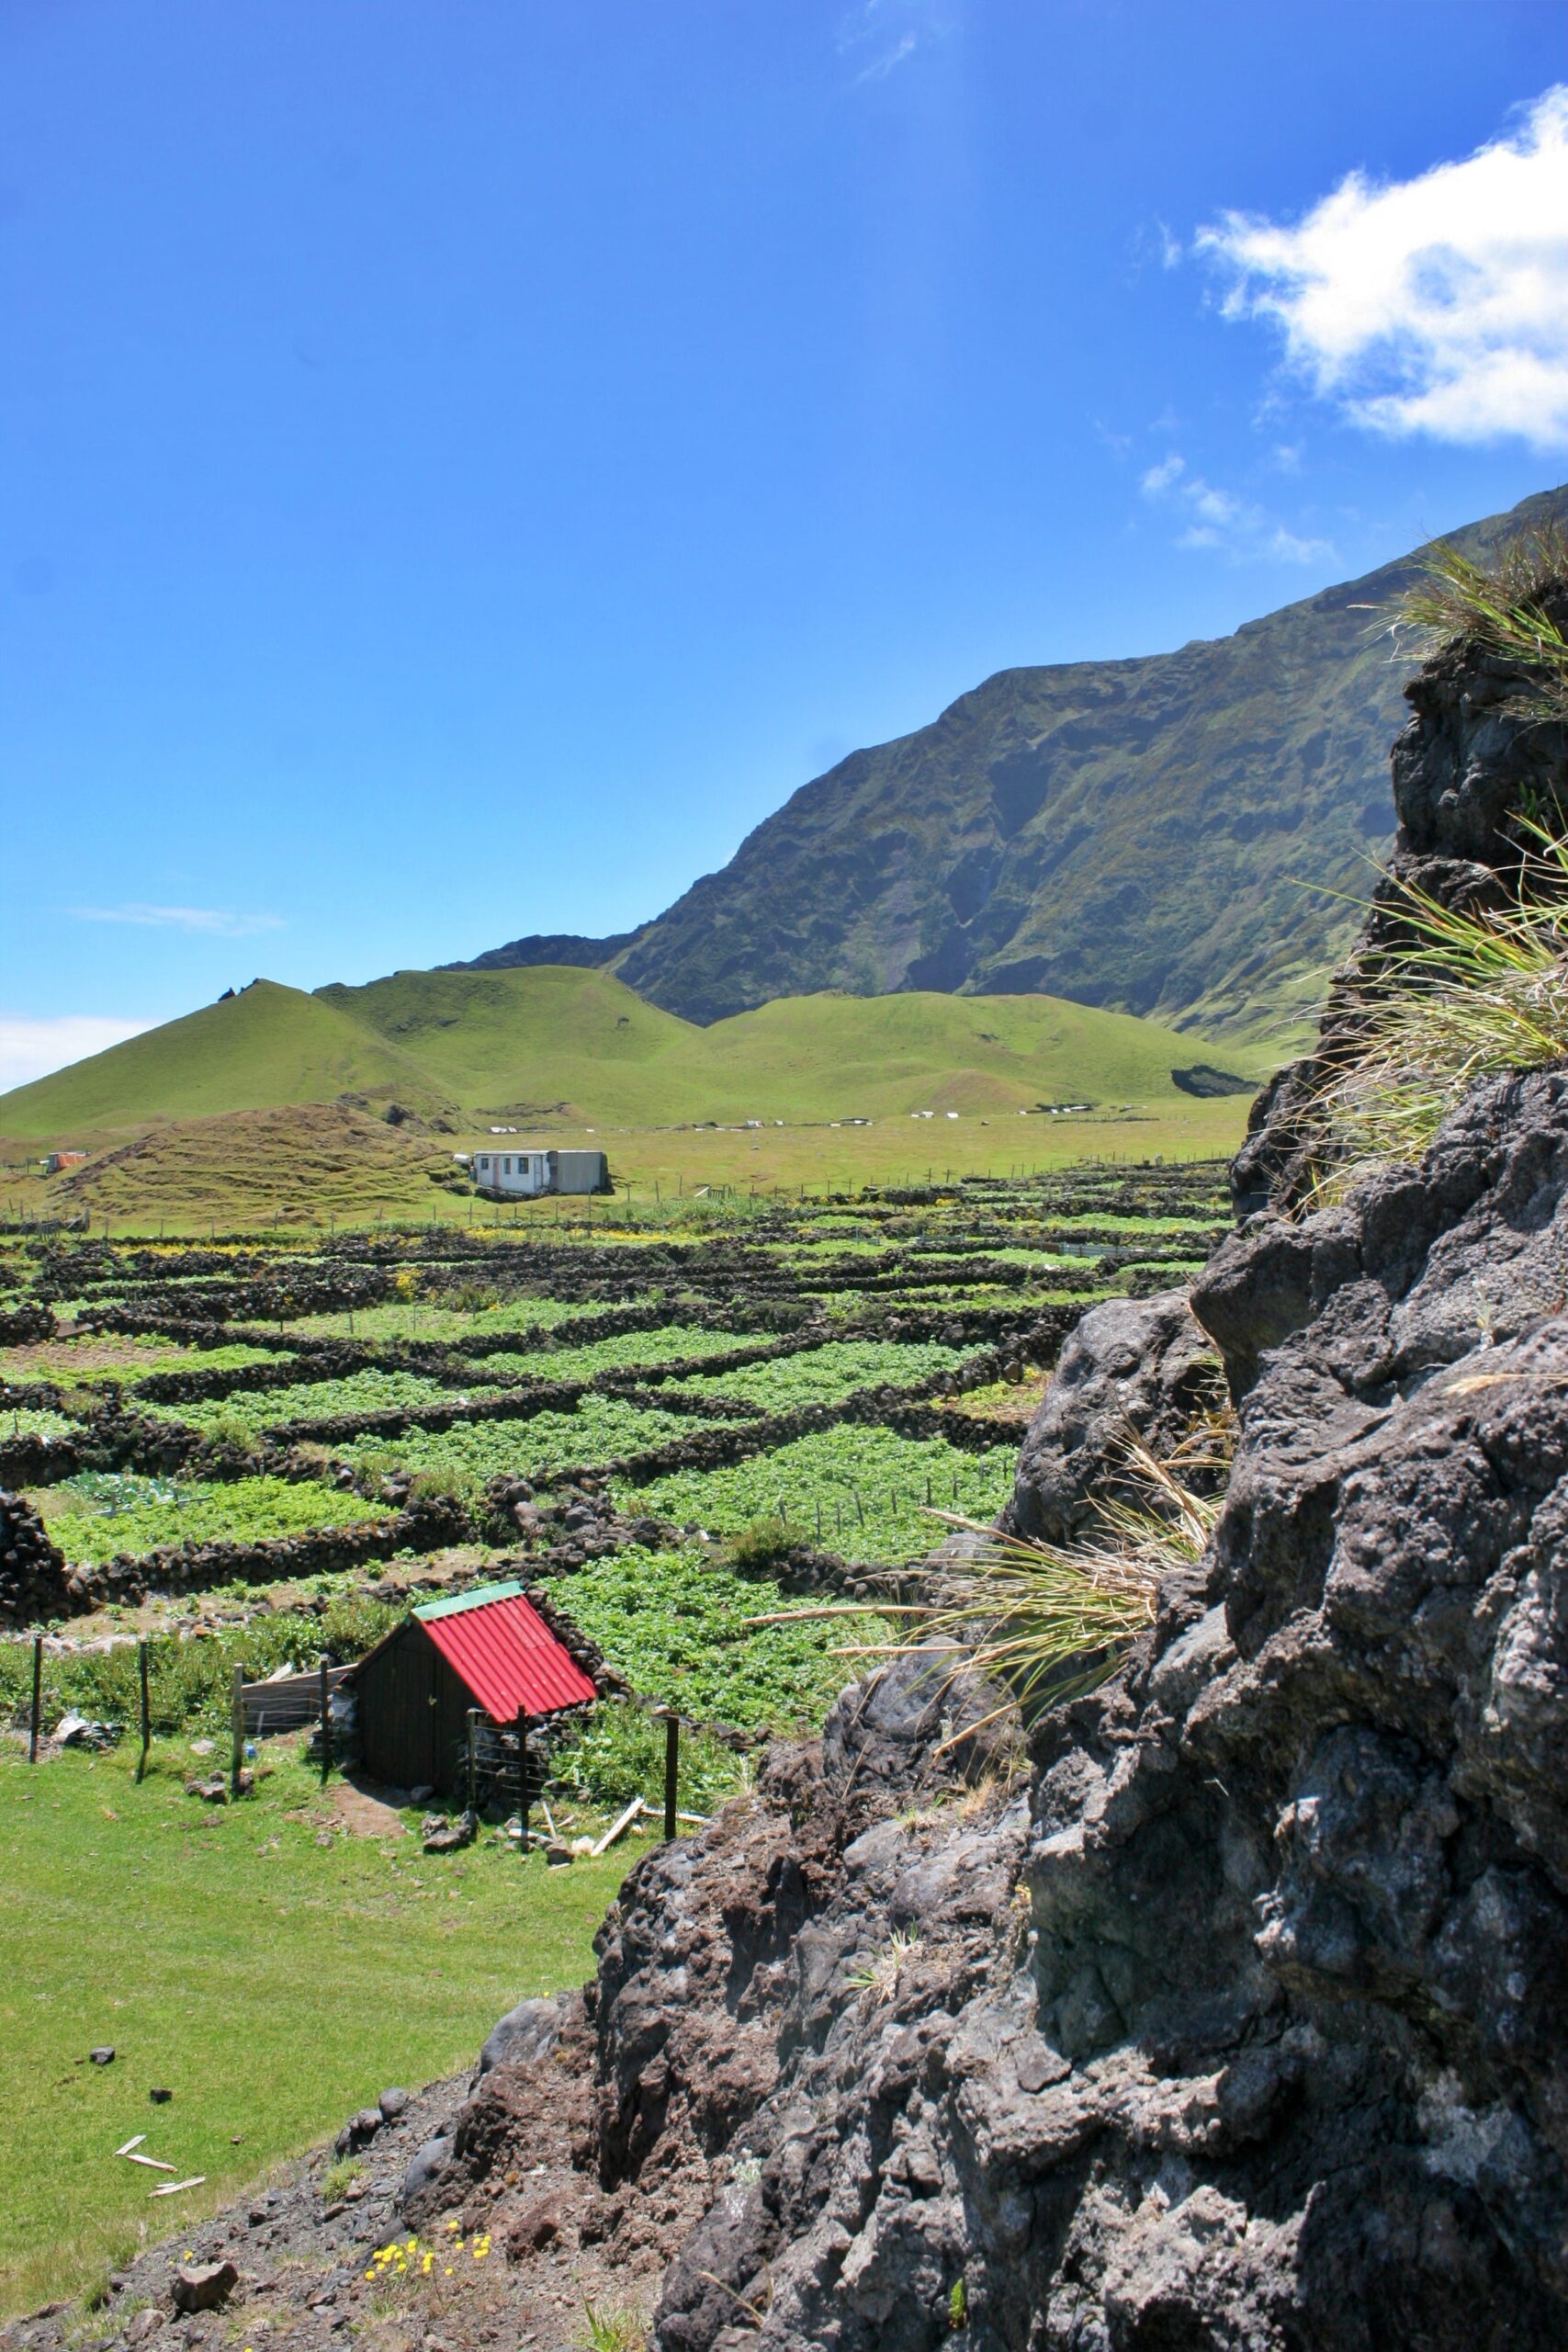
271 1981
911 1332
274 1102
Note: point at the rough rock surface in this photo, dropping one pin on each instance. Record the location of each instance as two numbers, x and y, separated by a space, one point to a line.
1464 768
32 1571
1241 2026
1132 1367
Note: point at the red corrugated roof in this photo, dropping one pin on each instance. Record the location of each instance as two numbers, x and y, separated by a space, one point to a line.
507 1655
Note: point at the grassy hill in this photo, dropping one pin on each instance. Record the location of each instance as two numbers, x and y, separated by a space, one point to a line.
1128 833
252 1166
270 1045
522 1044
239 1111
562 1046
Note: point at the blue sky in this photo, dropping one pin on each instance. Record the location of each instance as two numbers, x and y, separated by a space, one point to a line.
461 466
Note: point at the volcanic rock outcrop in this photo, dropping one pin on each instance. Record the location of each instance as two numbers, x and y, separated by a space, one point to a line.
1470 762
1232 2016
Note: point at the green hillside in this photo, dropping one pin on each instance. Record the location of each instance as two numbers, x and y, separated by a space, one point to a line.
267 1045
1133 833
561 1048
522 1044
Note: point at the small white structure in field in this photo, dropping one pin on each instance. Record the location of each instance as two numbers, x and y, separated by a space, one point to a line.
537 1168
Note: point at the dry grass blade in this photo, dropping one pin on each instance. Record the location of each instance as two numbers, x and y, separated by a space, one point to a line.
1500 605
1051 1621
1482 993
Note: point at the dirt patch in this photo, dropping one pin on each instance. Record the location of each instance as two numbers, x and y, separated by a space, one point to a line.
70 1359
366 1809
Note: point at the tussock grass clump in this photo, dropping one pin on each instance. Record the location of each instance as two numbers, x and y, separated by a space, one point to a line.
1483 992
1500 605
1051 1621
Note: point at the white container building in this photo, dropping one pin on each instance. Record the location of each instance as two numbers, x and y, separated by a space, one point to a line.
529 1171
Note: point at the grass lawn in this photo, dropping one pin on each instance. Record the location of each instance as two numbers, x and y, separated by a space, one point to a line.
273 1983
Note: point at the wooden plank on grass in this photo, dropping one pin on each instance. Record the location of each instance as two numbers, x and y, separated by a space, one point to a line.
616 1828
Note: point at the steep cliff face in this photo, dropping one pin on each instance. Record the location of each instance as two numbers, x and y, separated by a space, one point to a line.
1467 765
1128 833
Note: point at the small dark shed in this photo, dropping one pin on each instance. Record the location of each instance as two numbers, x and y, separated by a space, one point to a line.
488 1648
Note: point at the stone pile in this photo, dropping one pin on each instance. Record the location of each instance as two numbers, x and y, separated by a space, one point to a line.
33 1586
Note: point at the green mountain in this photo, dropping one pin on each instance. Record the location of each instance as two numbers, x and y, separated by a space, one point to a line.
564 1046
1133 833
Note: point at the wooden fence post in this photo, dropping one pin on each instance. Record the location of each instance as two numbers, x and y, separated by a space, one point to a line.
473 1781
237 1731
146 1708
38 1697
326 1700
522 1784
671 1768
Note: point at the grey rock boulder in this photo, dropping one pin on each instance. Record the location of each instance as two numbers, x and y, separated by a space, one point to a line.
524 2035
1137 1367
204 2286
425 2169
358 2132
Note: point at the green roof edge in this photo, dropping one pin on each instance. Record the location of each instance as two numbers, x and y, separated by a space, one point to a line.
455 1603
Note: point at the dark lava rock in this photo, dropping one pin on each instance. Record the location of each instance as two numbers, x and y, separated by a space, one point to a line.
394 2103
1467 763
204 2286
34 1580
1243 2029
443 1837
1139 1367
425 2169
358 2132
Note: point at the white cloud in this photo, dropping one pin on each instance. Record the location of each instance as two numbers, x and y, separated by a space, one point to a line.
869 31
213 923
1162 476
1438 304
1220 519
30 1050
905 46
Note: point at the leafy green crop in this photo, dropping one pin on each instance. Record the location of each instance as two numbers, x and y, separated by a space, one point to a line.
630 1348
34 1420
428 1320
246 1511
619 1754
829 1470
253 1409
821 1375
678 1626
601 1429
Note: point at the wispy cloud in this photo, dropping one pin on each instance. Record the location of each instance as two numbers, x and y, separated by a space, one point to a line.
1437 304
214 923
30 1050
1224 521
877 36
